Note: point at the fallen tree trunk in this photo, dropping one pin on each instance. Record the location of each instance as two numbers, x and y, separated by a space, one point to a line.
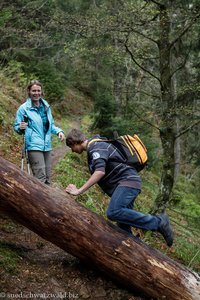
56 217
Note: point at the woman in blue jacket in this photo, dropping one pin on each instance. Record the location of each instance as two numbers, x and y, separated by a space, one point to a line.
35 120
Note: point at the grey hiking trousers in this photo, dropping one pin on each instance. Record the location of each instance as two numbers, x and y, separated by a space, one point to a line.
40 163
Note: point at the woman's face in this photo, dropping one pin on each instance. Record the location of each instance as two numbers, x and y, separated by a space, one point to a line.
35 92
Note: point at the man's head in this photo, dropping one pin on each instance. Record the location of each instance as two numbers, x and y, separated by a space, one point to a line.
76 140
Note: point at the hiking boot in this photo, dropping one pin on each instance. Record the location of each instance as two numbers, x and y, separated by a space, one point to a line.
165 229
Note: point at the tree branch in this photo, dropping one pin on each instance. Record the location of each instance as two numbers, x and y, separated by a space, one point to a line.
145 36
187 129
145 121
155 2
139 65
148 94
185 30
181 65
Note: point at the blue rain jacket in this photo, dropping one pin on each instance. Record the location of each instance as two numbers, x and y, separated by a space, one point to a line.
35 137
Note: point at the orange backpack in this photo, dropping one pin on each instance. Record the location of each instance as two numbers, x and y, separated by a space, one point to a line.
131 148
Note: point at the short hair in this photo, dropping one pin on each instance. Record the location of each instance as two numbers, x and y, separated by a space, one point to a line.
75 136
34 82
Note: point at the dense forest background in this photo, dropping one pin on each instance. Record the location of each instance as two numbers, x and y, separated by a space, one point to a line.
138 60
138 63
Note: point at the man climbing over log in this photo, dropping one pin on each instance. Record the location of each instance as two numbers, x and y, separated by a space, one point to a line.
119 181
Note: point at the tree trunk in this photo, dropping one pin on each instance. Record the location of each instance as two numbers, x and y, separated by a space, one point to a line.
177 152
56 217
168 121
177 144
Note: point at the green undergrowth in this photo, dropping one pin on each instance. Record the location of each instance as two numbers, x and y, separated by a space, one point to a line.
9 101
188 251
9 258
64 125
73 169
74 105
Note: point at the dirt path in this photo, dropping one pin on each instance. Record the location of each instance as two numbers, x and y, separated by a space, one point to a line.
59 152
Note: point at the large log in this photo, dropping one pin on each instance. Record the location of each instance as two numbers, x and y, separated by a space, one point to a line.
56 217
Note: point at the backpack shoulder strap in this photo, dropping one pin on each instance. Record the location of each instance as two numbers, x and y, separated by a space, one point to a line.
96 140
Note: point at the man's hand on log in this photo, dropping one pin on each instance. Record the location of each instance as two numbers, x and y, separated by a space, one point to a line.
72 189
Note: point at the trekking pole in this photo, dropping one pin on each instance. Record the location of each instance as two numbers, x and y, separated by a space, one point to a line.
23 155
24 151
27 159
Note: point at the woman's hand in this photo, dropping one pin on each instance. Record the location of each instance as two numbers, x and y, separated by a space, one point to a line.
23 125
72 189
61 136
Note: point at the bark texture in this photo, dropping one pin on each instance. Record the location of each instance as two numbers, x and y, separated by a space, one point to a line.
168 117
56 217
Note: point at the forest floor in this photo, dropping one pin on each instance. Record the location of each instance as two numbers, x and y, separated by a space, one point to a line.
43 271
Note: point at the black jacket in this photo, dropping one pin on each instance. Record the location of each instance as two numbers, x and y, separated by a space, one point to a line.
103 156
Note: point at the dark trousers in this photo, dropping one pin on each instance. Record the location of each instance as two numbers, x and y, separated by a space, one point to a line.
40 163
